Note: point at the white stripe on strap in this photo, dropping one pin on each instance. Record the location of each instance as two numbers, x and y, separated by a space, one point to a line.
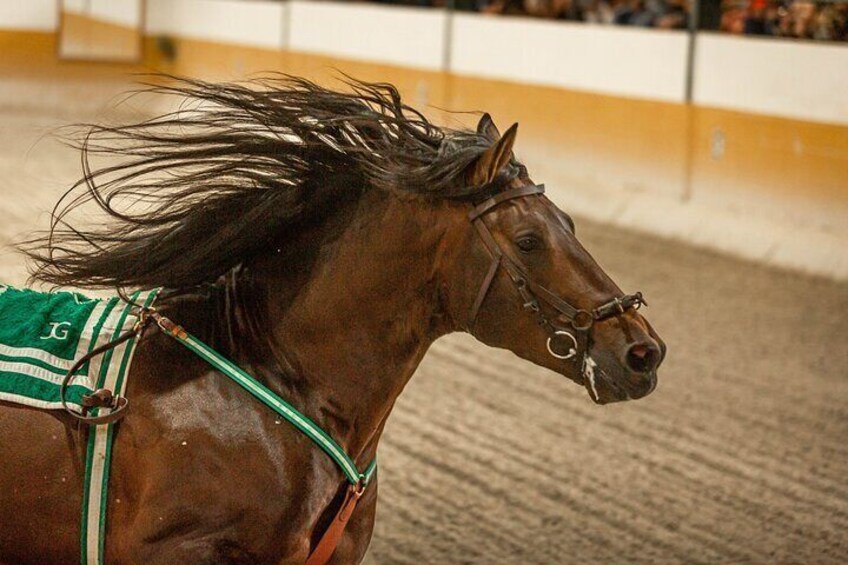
87 334
100 441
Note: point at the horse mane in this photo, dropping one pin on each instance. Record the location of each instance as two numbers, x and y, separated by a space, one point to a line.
189 195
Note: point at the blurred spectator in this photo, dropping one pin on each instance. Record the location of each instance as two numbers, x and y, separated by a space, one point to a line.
801 19
674 15
825 20
733 18
831 23
667 14
599 12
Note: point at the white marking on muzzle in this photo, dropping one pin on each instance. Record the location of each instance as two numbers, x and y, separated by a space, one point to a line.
589 374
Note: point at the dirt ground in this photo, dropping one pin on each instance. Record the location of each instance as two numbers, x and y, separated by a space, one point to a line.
741 454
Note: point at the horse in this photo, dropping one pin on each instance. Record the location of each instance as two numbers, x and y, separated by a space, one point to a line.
322 239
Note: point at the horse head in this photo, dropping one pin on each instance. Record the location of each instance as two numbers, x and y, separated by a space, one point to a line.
519 279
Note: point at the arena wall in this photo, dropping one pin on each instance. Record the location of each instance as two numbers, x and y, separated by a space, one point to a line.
29 15
118 12
254 23
791 79
794 79
571 55
413 37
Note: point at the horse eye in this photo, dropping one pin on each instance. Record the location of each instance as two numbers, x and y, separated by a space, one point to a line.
528 243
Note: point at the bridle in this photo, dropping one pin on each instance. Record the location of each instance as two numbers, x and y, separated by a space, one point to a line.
577 337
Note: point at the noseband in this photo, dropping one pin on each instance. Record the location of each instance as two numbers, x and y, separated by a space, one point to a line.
576 337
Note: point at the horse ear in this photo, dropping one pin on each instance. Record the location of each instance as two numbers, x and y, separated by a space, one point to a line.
487 166
488 128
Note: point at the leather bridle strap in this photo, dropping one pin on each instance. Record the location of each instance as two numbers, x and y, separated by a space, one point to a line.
491 245
501 197
532 292
487 283
572 313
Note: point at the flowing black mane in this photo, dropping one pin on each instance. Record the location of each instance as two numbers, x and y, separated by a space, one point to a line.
189 195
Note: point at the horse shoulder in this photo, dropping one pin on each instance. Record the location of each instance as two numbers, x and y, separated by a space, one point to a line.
202 470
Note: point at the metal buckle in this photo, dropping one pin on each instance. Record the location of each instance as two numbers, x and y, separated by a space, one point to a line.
618 306
532 305
144 317
530 301
572 351
359 487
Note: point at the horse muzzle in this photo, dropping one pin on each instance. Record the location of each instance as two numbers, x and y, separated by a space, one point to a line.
606 389
628 376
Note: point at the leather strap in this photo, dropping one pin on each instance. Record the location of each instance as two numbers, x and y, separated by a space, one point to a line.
618 306
333 534
484 288
558 303
580 318
501 197
101 398
117 403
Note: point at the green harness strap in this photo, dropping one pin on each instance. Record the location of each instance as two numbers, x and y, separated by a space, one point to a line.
112 372
269 399
101 438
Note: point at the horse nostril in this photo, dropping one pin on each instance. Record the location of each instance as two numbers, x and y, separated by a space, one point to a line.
643 358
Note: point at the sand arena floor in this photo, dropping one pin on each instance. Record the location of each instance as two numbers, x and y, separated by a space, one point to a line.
741 455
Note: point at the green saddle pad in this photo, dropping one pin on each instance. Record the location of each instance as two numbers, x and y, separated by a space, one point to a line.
43 334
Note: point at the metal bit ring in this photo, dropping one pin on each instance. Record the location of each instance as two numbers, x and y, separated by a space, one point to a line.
571 352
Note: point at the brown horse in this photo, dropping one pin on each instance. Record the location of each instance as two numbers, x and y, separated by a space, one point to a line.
323 241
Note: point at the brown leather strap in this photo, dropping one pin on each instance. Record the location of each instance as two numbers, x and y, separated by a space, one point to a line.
501 197
562 306
333 534
101 398
522 282
167 326
498 258
484 288
117 404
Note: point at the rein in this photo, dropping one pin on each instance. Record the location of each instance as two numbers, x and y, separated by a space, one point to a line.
578 337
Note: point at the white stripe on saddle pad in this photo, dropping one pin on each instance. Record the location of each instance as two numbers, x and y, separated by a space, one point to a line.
45 375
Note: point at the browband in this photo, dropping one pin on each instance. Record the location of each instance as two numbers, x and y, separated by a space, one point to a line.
501 197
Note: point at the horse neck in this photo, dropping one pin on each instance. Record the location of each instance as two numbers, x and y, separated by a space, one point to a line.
362 310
